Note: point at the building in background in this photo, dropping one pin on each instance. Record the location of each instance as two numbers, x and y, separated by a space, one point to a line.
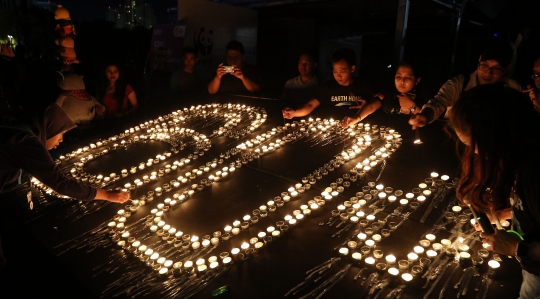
131 14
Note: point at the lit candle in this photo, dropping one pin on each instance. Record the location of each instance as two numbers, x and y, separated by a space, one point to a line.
390 259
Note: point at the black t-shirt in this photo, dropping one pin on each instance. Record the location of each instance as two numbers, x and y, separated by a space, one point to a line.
232 85
336 99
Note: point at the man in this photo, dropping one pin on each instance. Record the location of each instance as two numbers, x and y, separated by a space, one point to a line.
238 77
492 68
344 90
534 92
303 86
185 79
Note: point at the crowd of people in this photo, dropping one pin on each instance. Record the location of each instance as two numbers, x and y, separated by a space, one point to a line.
494 116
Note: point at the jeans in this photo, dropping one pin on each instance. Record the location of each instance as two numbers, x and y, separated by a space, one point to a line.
530 287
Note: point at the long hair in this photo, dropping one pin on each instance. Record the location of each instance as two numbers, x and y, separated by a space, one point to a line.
500 121
120 85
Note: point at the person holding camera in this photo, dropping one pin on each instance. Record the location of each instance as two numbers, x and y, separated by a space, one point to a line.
237 77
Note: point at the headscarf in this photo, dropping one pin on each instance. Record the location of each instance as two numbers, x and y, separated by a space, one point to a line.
52 122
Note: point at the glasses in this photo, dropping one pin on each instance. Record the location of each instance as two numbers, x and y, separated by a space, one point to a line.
496 70
535 76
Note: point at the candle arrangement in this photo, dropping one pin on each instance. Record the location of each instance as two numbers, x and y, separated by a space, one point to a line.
172 253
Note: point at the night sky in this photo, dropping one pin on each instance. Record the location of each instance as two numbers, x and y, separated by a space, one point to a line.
88 10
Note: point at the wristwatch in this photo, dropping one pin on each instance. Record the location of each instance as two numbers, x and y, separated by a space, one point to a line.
523 249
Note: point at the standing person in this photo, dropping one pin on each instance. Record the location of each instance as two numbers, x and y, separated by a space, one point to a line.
117 96
534 92
303 86
344 91
185 79
237 77
25 146
492 68
500 171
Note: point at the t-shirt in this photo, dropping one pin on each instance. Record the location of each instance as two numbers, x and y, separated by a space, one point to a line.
335 99
297 91
232 85
184 81
111 104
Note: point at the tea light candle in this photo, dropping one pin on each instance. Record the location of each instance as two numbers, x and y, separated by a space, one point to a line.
370 243
369 260
418 249
437 246
431 253
406 277
344 251
456 209
393 271
425 243
412 256
463 247
430 237
445 243
390 259
376 237
493 264
357 256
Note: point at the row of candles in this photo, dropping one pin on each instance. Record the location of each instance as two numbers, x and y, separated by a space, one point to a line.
228 111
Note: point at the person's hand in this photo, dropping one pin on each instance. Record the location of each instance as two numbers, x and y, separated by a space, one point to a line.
238 73
418 120
534 95
501 242
117 196
406 103
220 71
288 113
347 121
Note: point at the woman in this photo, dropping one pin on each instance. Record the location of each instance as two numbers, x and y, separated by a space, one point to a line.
118 97
25 146
500 171
408 96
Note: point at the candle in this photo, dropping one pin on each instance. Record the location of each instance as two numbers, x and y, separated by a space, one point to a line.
407 277
390 259
493 264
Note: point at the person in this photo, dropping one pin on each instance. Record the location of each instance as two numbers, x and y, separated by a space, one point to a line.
409 95
185 79
500 171
237 77
25 146
79 105
303 86
534 92
344 90
117 96
492 67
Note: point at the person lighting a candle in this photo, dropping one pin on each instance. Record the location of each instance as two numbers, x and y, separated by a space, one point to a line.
24 146
492 68
500 171
343 92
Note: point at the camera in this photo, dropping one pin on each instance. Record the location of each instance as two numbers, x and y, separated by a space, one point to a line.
228 68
